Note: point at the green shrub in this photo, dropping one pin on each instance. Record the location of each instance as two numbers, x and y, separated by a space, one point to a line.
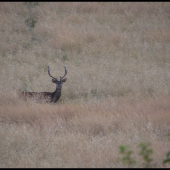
145 152
127 158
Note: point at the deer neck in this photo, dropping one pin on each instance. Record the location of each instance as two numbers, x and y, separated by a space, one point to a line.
56 95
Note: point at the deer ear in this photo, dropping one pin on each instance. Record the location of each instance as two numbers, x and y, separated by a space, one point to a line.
64 79
53 80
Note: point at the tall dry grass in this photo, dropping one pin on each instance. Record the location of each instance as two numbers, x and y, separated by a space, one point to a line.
118 49
117 91
82 134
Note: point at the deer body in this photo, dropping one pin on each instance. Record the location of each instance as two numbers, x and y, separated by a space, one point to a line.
48 96
55 96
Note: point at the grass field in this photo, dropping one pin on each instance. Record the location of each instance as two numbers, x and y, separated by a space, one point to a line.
117 90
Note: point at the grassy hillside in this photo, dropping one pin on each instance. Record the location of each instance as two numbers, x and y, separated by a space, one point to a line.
117 89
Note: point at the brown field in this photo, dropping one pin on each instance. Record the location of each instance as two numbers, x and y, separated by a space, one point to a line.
117 90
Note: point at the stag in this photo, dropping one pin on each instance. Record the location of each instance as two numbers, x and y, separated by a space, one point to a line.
51 97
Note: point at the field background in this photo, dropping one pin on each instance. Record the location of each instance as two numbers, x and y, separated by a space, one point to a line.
117 90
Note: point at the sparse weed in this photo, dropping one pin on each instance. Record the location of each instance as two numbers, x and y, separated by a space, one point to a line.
146 152
25 87
94 92
127 159
167 159
31 4
65 57
31 21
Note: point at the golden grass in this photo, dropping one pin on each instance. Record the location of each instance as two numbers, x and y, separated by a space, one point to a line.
117 89
82 134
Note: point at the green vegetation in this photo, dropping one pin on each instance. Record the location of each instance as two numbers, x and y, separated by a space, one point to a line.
145 152
65 57
167 159
127 159
94 92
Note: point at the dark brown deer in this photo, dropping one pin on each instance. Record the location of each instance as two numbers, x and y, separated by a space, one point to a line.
48 96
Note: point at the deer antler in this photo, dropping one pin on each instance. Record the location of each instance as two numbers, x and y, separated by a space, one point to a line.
64 74
50 74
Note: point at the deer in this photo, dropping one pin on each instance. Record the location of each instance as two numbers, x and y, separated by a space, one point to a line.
50 97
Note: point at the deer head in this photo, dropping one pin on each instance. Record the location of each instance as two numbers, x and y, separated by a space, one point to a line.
58 82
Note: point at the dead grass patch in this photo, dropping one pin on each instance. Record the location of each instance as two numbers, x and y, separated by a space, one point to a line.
63 135
157 35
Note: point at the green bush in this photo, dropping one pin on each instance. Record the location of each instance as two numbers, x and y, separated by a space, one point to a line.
145 152
127 158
